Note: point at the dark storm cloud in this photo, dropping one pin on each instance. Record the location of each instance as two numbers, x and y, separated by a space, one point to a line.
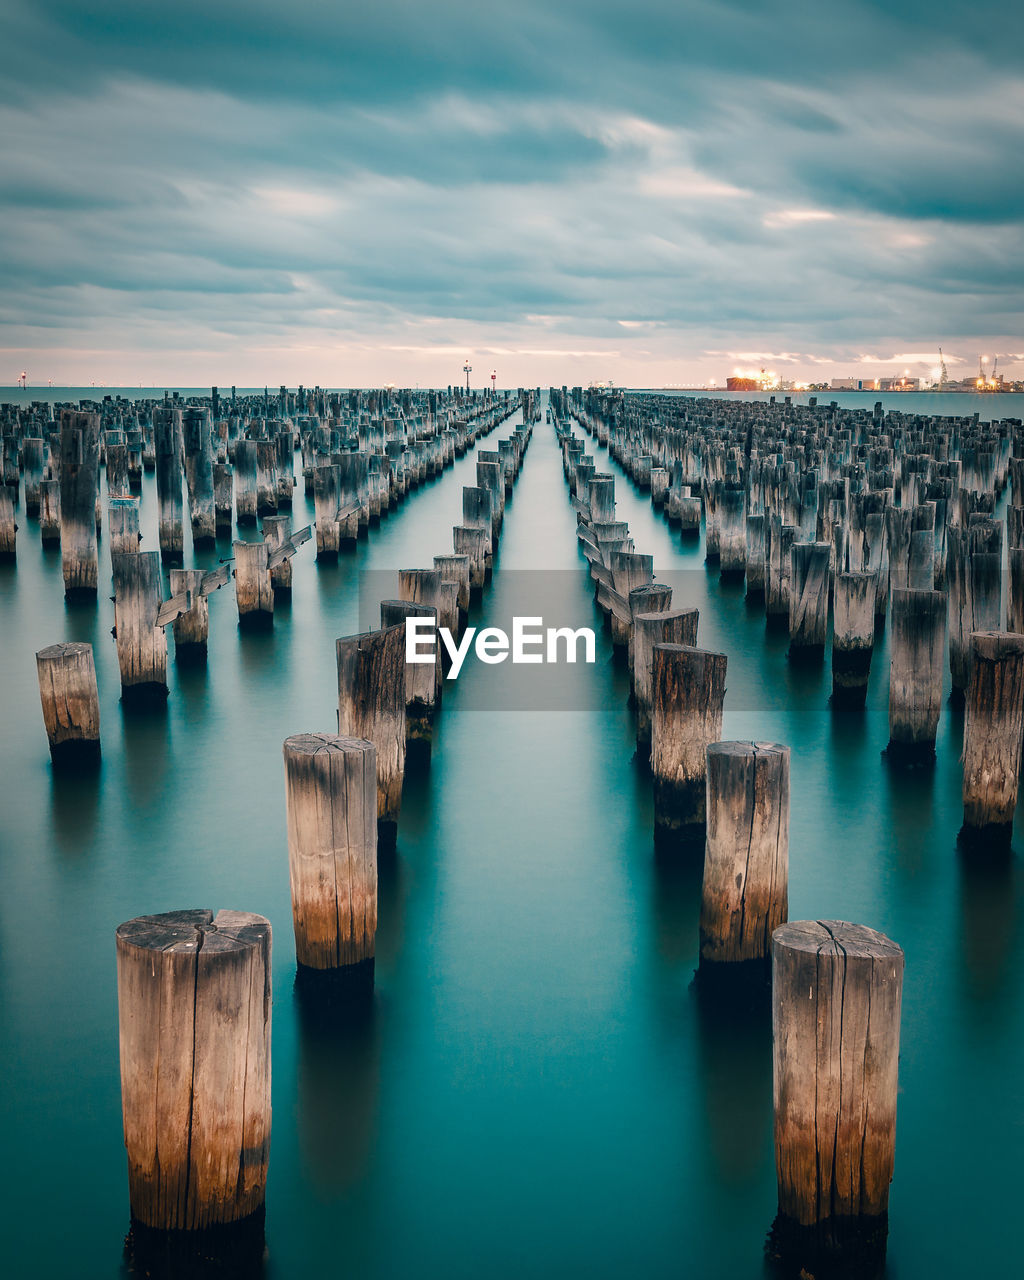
657 175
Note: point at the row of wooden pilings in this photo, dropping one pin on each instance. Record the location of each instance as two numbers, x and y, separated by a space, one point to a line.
805 543
262 573
237 469
194 990
836 987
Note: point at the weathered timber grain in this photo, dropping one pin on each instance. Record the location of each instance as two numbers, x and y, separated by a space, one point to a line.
79 491
194 1015
745 895
836 996
853 637
331 800
371 705
70 701
915 672
687 694
992 737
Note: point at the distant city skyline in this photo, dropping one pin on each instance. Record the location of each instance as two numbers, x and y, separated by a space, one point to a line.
664 193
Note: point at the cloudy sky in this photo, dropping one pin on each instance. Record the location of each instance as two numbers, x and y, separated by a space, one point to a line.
654 192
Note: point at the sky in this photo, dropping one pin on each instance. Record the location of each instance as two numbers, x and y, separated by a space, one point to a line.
654 193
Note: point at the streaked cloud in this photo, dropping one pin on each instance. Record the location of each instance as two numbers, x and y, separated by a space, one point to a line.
563 189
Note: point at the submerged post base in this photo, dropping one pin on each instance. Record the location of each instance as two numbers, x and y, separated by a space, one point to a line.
835 1249
227 1251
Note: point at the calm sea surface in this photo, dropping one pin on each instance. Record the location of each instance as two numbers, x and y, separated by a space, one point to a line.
538 1092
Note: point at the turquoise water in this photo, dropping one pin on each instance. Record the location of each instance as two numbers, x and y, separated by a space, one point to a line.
538 1091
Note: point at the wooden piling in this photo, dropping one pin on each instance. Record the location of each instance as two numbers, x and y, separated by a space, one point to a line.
475 544
687 695
197 435
70 700
327 501
745 893
167 440
992 737
371 705
141 641
422 679
254 593
49 513
808 597
836 995
853 637
124 526
193 994
191 628
79 485
223 499
276 532
915 672
668 626
245 482
8 526
331 797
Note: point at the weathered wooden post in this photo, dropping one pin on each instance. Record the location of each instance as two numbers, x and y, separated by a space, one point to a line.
422 679
478 513
992 737
276 532
141 641
687 695
223 499
198 444
731 507
245 482
8 526
79 485
193 995
32 454
780 544
124 526
756 564
456 568
331 796
629 569
71 704
192 627
601 496
475 544
853 637
327 501
49 514
167 439
266 477
836 995
650 597
746 857
254 593
808 597
668 626
371 705
915 672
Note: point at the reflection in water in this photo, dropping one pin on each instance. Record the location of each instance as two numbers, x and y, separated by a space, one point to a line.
258 652
338 1083
234 1252
675 908
734 1057
908 795
988 899
146 731
74 806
